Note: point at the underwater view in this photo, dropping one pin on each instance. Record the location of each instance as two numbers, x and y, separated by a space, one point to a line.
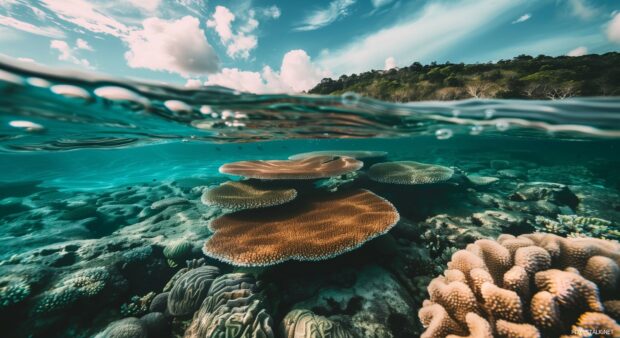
438 200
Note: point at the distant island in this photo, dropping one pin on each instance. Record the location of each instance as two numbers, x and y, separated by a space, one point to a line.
523 77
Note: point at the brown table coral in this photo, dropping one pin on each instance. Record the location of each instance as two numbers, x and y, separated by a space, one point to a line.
319 227
529 286
409 172
307 168
246 195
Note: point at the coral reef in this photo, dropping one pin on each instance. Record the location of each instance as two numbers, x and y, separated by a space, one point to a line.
307 168
137 306
524 286
81 285
190 290
578 226
409 172
125 328
234 307
306 324
246 195
13 290
177 251
323 226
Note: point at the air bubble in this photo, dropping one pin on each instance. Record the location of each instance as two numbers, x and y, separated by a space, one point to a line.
475 130
178 106
114 93
502 125
489 113
350 98
27 125
70 91
443 134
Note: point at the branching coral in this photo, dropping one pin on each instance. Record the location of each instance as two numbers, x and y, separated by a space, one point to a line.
323 226
578 226
409 172
137 306
234 308
246 195
529 286
306 168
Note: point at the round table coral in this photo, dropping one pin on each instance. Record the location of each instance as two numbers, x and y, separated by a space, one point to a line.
319 227
307 168
409 172
246 195
356 154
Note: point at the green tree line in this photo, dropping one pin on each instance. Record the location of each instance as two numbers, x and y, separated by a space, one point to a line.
523 77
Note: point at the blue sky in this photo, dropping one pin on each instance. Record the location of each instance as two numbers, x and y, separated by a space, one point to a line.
288 46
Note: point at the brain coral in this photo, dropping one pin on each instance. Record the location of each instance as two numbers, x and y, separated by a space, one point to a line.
529 286
357 154
246 195
125 328
234 308
305 324
190 290
323 226
307 168
409 172
177 251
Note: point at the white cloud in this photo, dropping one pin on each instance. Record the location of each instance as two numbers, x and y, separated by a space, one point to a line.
177 46
613 30
522 18
66 53
146 5
193 83
322 17
49 32
237 44
390 63
436 28
583 9
83 44
29 60
579 51
271 12
85 15
297 73
380 3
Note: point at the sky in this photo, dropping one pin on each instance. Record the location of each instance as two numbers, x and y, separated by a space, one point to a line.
269 46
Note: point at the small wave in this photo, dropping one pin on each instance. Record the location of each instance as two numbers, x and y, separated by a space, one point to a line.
44 110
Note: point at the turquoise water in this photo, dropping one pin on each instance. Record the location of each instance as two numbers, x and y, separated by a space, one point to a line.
84 160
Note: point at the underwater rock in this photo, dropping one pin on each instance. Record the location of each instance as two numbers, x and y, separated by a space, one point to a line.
247 195
303 169
124 328
409 172
488 285
159 303
376 305
234 307
156 325
481 180
320 227
305 324
162 204
190 290
499 164
552 192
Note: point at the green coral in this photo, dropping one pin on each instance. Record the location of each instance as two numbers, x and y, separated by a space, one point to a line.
578 226
13 291
80 285
137 305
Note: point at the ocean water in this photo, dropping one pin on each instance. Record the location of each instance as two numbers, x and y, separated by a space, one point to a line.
104 173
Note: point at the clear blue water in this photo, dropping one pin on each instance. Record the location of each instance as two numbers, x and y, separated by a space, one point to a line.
69 139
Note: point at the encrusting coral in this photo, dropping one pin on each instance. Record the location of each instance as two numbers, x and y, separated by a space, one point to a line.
307 168
528 286
235 307
246 195
409 172
323 226
190 290
13 291
306 324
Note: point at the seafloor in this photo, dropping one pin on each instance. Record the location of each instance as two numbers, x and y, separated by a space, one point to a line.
116 251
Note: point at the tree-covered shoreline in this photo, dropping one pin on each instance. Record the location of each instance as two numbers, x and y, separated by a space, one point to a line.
523 77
